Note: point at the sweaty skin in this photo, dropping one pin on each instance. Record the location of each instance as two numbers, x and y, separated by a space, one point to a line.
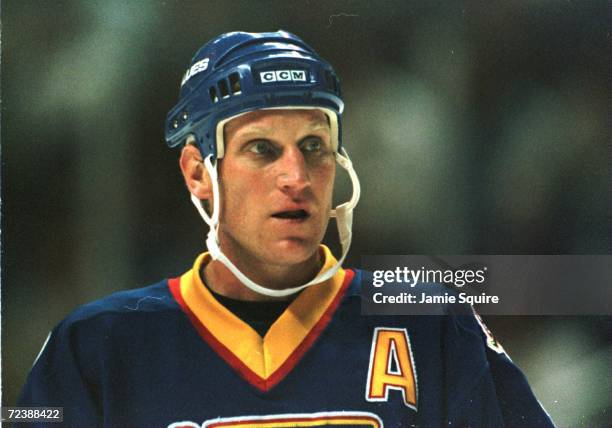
276 182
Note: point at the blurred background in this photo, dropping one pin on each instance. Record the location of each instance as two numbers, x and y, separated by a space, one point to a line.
475 127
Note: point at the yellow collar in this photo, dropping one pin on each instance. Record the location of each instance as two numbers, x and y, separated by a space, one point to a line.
261 361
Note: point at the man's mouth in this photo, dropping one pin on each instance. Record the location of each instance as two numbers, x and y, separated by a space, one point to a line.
292 215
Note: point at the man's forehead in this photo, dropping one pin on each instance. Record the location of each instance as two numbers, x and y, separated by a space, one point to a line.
308 118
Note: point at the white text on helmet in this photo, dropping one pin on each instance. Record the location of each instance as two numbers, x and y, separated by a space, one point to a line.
282 76
196 68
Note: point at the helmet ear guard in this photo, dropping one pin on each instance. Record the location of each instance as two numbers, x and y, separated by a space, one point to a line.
237 73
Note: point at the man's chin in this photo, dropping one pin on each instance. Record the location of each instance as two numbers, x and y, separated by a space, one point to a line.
294 251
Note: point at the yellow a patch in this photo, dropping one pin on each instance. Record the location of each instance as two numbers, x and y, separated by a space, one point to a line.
391 366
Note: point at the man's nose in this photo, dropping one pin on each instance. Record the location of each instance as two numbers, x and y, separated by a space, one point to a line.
292 171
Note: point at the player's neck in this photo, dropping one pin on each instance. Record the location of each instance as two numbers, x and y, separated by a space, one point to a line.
222 281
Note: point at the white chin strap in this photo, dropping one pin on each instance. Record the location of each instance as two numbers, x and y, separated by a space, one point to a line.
344 221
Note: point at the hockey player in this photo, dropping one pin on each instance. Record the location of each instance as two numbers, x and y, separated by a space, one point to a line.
265 329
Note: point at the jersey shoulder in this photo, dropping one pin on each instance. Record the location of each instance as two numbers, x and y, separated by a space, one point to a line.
119 320
146 300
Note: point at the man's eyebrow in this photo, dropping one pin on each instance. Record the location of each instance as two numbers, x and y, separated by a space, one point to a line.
258 130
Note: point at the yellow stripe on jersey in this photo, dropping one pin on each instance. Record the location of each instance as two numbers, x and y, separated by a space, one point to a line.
264 356
347 418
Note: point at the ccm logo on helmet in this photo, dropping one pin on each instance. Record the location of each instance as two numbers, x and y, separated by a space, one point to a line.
283 76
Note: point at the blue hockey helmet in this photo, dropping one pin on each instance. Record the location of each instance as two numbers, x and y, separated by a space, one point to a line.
240 72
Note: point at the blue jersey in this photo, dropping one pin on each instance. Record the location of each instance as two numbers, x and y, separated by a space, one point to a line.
170 355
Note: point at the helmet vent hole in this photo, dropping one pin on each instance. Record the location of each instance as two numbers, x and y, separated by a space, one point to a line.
222 84
234 80
213 94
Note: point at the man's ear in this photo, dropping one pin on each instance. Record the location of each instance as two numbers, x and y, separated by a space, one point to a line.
195 175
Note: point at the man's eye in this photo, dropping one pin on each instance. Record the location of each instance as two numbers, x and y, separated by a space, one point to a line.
260 147
312 145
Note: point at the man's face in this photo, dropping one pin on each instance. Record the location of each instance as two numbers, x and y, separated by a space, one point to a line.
276 181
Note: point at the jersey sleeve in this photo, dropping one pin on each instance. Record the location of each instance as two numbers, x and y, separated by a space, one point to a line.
59 378
499 394
519 405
